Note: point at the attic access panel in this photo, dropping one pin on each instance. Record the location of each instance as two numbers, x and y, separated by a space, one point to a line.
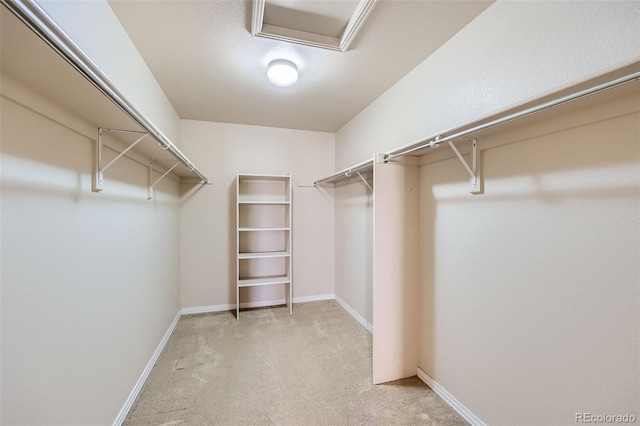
329 25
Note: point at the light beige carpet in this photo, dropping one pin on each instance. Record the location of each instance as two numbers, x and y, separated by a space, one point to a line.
272 368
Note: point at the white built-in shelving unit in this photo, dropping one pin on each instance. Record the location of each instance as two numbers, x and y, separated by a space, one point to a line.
264 233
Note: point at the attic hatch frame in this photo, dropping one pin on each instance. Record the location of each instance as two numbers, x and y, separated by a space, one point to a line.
340 44
39 21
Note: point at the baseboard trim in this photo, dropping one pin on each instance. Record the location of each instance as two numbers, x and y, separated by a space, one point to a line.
354 314
207 309
450 399
261 304
122 415
316 298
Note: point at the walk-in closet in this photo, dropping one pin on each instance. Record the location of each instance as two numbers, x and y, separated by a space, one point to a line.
319 212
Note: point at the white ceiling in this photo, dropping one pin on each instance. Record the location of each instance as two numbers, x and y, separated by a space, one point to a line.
211 68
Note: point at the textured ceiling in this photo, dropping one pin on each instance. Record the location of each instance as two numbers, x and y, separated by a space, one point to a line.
211 68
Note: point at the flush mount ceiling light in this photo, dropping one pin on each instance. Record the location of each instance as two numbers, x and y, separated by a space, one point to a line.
282 72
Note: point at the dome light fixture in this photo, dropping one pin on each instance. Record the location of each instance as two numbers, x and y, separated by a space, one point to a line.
282 72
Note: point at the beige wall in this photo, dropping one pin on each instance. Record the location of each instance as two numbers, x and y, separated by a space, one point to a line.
535 48
208 213
89 281
95 29
512 52
354 246
529 292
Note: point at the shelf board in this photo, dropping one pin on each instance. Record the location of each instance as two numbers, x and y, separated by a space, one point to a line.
251 282
263 255
250 176
262 229
264 202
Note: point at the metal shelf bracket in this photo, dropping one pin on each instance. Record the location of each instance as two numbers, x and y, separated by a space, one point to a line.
151 185
472 169
365 165
98 170
365 182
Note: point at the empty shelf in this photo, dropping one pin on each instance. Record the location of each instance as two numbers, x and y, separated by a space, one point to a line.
264 202
263 255
262 229
250 282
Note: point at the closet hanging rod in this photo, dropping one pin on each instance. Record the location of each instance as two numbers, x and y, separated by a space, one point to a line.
437 139
30 13
346 172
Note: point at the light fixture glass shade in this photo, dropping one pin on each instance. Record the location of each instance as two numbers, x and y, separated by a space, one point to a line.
282 72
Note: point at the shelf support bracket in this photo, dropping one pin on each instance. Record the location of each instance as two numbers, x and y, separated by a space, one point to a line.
98 170
472 168
151 185
365 182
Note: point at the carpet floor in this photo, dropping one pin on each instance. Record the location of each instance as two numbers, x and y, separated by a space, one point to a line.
272 368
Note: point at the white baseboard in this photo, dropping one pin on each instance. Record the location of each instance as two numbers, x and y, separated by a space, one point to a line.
315 298
263 303
450 399
354 314
145 373
207 309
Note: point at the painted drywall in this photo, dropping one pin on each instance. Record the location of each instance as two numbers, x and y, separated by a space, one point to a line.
354 246
93 26
512 52
89 281
516 304
208 213
529 292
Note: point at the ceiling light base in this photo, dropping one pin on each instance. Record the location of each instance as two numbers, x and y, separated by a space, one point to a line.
282 72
